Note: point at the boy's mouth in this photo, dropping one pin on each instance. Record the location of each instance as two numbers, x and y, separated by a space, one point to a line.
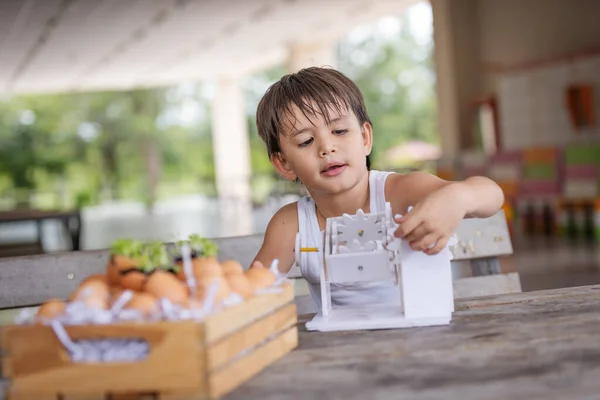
333 169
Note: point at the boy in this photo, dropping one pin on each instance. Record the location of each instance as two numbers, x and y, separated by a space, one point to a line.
317 131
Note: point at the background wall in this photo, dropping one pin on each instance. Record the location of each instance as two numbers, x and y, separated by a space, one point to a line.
530 52
532 104
526 53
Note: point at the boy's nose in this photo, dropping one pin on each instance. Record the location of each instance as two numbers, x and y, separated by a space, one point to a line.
327 151
326 148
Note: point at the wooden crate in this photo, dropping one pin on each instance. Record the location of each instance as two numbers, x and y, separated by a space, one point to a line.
187 360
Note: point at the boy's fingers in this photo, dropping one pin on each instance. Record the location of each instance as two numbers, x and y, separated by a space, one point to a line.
408 223
257 264
428 241
417 234
439 246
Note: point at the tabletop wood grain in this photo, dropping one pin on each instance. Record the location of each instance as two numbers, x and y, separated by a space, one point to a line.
543 344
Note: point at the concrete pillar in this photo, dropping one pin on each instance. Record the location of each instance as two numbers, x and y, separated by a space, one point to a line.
446 88
458 70
317 54
231 149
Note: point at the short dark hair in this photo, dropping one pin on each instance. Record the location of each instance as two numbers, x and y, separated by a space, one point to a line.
323 86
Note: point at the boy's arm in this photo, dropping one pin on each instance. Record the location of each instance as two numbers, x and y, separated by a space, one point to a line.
280 239
439 206
480 197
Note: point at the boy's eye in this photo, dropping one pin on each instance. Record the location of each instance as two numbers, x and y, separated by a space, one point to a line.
340 131
306 143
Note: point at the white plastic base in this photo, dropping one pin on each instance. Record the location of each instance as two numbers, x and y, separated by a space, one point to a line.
370 317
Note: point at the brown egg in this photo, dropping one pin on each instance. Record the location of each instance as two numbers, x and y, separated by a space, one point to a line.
113 276
143 302
231 267
94 292
202 267
99 294
240 284
51 308
122 262
223 289
206 267
133 280
165 284
115 292
97 302
117 264
260 278
181 272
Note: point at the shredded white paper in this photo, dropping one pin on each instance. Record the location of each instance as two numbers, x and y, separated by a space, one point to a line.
187 268
103 350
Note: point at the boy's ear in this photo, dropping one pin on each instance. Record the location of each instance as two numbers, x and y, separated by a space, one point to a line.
367 134
281 165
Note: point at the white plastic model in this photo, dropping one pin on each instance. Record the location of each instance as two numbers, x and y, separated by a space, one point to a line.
362 248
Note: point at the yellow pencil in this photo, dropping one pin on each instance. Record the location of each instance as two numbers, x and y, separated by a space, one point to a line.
309 249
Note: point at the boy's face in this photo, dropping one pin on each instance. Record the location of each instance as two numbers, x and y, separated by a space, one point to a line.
327 158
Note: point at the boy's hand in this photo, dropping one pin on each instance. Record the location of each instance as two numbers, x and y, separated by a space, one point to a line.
429 225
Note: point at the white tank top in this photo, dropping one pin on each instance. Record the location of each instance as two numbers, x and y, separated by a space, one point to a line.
310 263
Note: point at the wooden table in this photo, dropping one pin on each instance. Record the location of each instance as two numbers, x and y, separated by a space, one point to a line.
532 345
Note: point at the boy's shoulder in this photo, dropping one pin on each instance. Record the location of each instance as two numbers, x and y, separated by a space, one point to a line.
288 210
286 216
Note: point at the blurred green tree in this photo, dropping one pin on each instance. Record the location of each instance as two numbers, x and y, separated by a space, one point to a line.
394 69
149 143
